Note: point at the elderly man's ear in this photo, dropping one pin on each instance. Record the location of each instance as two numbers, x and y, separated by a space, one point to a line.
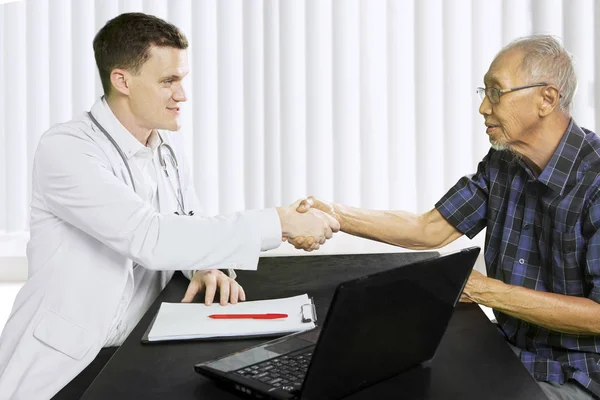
550 100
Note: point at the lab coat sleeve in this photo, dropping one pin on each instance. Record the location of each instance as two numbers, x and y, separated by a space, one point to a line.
191 195
78 185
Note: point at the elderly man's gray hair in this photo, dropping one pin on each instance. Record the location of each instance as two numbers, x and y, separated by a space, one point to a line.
546 60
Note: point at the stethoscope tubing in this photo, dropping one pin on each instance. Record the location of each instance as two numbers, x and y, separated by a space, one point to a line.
163 163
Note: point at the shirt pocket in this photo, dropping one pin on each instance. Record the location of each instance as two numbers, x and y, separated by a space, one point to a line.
63 335
564 271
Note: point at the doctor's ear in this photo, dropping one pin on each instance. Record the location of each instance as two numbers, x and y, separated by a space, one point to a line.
119 80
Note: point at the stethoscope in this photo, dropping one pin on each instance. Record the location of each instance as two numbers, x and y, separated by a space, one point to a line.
163 163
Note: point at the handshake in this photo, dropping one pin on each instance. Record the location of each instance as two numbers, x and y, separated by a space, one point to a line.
308 223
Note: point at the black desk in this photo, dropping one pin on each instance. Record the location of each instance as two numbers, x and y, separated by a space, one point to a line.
473 361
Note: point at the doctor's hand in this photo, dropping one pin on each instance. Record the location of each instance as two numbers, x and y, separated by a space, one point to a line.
313 224
304 205
211 280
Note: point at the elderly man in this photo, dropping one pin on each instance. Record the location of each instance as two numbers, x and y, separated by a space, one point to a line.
537 192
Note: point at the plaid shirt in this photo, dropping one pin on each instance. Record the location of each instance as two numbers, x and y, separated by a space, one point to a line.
542 234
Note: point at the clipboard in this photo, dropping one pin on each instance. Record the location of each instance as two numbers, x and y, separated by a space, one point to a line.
303 319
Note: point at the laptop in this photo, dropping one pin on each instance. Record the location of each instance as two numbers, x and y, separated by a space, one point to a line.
377 326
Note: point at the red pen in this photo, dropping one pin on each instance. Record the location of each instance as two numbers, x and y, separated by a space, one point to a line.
248 316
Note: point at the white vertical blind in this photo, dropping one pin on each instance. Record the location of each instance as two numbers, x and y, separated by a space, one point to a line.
3 124
15 79
579 39
516 19
38 80
130 5
429 100
458 106
254 115
293 99
319 109
231 105
547 17
204 110
61 61
84 65
373 109
402 150
346 101
272 104
366 102
160 8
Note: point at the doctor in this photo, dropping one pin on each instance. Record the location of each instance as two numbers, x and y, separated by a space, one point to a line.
113 213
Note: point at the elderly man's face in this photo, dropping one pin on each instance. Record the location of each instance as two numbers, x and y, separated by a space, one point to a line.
510 121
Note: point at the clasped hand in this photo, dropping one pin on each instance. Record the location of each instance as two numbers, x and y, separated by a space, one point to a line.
308 223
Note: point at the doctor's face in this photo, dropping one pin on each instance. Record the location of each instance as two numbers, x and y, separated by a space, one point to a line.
156 92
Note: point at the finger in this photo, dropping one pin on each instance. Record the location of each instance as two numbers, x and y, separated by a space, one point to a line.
322 240
242 294
298 240
224 289
210 289
464 299
193 288
333 223
310 244
283 238
234 291
328 233
305 205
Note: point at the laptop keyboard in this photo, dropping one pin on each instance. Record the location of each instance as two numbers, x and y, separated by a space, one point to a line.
286 372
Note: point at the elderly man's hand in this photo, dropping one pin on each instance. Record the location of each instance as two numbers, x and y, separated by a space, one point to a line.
211 280
313 225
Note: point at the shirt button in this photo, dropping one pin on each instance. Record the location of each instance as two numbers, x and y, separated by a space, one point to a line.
525 325
526 227
521 261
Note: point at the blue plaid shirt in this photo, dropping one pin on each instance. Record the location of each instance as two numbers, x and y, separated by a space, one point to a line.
542 234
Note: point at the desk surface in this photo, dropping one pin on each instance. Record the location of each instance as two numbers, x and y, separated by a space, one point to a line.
472 362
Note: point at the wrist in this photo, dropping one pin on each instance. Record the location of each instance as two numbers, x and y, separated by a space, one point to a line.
339 213
493 293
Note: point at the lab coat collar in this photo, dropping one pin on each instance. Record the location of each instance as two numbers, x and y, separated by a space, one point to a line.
126 141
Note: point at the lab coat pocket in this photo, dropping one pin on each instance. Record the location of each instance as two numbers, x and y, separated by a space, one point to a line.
63 335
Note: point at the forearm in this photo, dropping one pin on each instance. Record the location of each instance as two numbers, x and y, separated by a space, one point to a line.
400 228
561 313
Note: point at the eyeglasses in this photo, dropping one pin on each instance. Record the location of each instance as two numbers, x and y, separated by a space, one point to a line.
493 94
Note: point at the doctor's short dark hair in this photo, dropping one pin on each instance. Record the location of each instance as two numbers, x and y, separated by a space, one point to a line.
125 42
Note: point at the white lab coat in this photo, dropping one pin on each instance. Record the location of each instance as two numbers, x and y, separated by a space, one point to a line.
88 226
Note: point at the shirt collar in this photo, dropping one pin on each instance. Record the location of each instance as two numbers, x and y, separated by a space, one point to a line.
557 172
126 141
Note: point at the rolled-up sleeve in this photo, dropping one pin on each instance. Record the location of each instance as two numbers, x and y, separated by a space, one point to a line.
465 204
